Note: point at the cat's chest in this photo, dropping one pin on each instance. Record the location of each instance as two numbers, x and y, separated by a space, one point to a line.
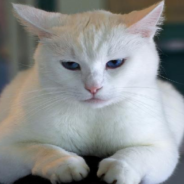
98 135
88 133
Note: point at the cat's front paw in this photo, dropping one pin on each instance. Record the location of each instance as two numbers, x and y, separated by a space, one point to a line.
63 169
116 171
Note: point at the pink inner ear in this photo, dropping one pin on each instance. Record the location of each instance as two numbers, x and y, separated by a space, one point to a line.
144 22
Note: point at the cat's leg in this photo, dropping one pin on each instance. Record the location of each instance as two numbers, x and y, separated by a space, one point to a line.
141 164
44 160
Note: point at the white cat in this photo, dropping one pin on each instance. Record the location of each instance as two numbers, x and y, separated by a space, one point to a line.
93 90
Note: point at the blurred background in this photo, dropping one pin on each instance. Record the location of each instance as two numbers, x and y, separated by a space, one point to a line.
17 47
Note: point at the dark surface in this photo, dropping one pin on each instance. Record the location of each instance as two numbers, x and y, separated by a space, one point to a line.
91 178
178 176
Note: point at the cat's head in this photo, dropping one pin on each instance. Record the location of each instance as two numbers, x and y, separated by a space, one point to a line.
94 58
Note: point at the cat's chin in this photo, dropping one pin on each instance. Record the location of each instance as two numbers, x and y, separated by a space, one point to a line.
96 102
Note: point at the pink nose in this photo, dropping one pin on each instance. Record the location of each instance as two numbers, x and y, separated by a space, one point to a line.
93 90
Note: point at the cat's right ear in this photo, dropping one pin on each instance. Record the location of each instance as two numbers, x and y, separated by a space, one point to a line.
145 22
36 21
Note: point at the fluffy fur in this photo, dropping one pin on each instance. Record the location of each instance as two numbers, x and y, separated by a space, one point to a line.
47 119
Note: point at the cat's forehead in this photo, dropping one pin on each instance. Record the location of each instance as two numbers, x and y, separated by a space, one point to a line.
89 22
96 17
91 33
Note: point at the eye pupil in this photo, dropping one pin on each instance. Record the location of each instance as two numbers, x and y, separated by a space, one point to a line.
114 63
71 65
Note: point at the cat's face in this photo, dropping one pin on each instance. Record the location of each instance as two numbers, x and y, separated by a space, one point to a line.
95 60
108 59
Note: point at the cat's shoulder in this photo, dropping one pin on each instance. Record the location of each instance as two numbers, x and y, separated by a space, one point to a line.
169 92
165 86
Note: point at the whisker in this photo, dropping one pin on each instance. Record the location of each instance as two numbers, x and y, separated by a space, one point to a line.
152 99
151 107
136 87
38 107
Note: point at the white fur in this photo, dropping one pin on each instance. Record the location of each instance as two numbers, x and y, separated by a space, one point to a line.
45 120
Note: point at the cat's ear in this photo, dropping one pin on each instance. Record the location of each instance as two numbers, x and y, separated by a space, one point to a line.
36 21
146 21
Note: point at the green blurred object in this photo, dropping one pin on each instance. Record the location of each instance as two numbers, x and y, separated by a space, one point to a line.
171 48
48 5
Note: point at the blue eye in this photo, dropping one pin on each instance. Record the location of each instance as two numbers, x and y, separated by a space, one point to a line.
71 65
115 63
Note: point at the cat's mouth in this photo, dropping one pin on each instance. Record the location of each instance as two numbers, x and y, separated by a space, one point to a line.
95 100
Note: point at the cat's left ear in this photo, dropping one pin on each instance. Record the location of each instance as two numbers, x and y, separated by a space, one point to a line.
36 21
146 21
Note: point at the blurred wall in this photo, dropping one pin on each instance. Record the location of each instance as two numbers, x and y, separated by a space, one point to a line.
174 9
75 6
20 45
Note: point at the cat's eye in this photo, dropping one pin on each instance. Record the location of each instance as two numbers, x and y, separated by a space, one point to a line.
112 64
71 65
